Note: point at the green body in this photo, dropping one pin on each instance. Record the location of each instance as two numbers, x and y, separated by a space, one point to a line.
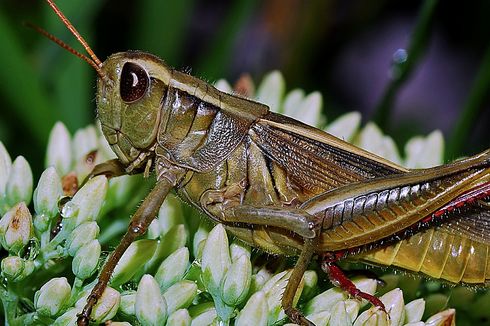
273 181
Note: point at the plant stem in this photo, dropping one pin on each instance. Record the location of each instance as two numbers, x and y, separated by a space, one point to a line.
75 290
478 94
403 68
9 303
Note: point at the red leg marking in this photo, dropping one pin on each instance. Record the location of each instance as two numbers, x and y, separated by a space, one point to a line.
471 196
338 278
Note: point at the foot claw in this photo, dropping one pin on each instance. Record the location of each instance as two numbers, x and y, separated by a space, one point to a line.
297 317
338 278
82 320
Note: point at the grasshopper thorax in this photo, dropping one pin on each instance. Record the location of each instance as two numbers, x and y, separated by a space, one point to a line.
129 102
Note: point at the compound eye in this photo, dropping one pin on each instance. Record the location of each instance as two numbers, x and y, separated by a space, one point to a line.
134 82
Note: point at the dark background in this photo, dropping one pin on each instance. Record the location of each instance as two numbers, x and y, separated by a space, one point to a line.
344 49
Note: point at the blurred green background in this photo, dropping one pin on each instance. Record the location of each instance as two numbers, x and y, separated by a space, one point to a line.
344 49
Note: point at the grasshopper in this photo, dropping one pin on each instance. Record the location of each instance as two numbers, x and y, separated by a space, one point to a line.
280 185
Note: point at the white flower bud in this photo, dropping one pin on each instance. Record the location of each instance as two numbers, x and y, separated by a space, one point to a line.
86 259
84 141
19 184
50 299
107 306
174 239
274 289
120 190
425 152
223 86
311 279
59 149
271 90
80 236
414 310
260 279
200 238
345 126
238 248
373 317
88 200
12 267
170 214
150 306
16 269
180 317
69 318
340 316
173 268
236 282
255 311
310 110
127 303
16 228
47 193
137 254
180 295
204 314
371 138
319 318
292 102
395 306
215 259
443 318
5 168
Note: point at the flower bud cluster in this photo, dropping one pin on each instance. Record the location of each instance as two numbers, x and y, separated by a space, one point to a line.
228 281
46 238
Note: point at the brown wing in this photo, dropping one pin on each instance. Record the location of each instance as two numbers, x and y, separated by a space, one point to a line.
473 224
319 162
312 158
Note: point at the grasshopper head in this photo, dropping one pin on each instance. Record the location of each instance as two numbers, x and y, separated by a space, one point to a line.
130 94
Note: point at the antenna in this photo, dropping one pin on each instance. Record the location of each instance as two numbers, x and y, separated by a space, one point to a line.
66 47
92 60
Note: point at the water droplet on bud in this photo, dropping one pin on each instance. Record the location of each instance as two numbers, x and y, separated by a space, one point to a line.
69 210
